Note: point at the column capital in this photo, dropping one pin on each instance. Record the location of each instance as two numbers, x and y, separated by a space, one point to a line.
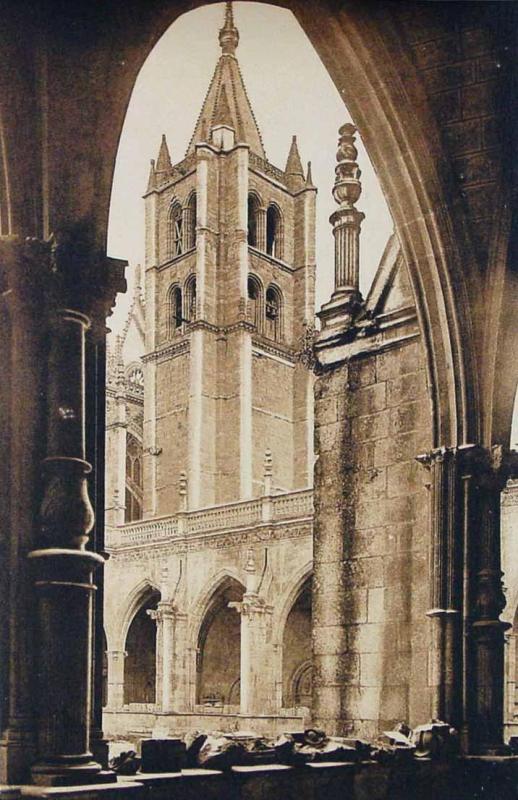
165 610
251 605
62 271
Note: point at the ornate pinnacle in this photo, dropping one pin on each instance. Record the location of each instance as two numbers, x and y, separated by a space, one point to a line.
338 315
229 34
347 188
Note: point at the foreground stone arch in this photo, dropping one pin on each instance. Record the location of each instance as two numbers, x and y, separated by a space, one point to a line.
441 145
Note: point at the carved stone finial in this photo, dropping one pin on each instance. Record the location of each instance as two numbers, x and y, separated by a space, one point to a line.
182 490
268 473
229 34
339 313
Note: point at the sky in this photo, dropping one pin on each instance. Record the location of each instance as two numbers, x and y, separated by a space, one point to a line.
290 93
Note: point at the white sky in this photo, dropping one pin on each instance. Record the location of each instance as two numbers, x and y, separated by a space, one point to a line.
290 92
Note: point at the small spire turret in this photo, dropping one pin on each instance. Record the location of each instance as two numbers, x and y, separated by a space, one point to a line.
294 169
229 34
163 163
309 178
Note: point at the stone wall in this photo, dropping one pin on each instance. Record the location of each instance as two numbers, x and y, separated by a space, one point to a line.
372 536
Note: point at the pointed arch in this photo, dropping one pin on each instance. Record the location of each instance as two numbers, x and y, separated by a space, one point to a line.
189 222
174 239
212 587
190 298
135 600
174 313
274 231
296 647
218 646
255 293
140 647
274 312
254 215
134 479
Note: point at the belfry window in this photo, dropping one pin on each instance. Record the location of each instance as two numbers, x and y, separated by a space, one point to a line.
175 231
190 298
273 313
254 302
273 232
190 223
253 214
174 315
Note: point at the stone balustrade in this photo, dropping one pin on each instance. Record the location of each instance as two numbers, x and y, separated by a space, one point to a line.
231 516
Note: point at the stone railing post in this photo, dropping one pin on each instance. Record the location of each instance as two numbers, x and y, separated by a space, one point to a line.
266 500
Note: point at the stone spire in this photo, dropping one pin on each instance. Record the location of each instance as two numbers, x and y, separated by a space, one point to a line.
338 315
163 163
294 169
222 115
232 107
229 34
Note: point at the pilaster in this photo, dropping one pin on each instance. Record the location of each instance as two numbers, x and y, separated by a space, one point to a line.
467 595
115 698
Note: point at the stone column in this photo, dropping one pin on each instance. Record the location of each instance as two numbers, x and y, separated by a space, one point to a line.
338 314
164 616
485 478
445 584
257 682
115 699
62 566
467 592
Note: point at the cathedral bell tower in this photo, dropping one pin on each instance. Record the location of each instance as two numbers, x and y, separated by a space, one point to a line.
230 272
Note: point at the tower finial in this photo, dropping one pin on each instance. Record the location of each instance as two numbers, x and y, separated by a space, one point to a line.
229 34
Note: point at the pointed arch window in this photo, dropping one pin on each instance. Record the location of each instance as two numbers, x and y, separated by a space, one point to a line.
175 231
273 231
190 223
190 298
253 220
174 311
134 482
273 313
255 302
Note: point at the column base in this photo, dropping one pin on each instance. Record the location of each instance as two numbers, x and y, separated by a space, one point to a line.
64 774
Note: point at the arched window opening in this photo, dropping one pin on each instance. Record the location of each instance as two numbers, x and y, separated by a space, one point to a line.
255 302
134 482
190 299
175 231
190 223
273 232
219 650
175 311
140 662
273 313
296 644
253 220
